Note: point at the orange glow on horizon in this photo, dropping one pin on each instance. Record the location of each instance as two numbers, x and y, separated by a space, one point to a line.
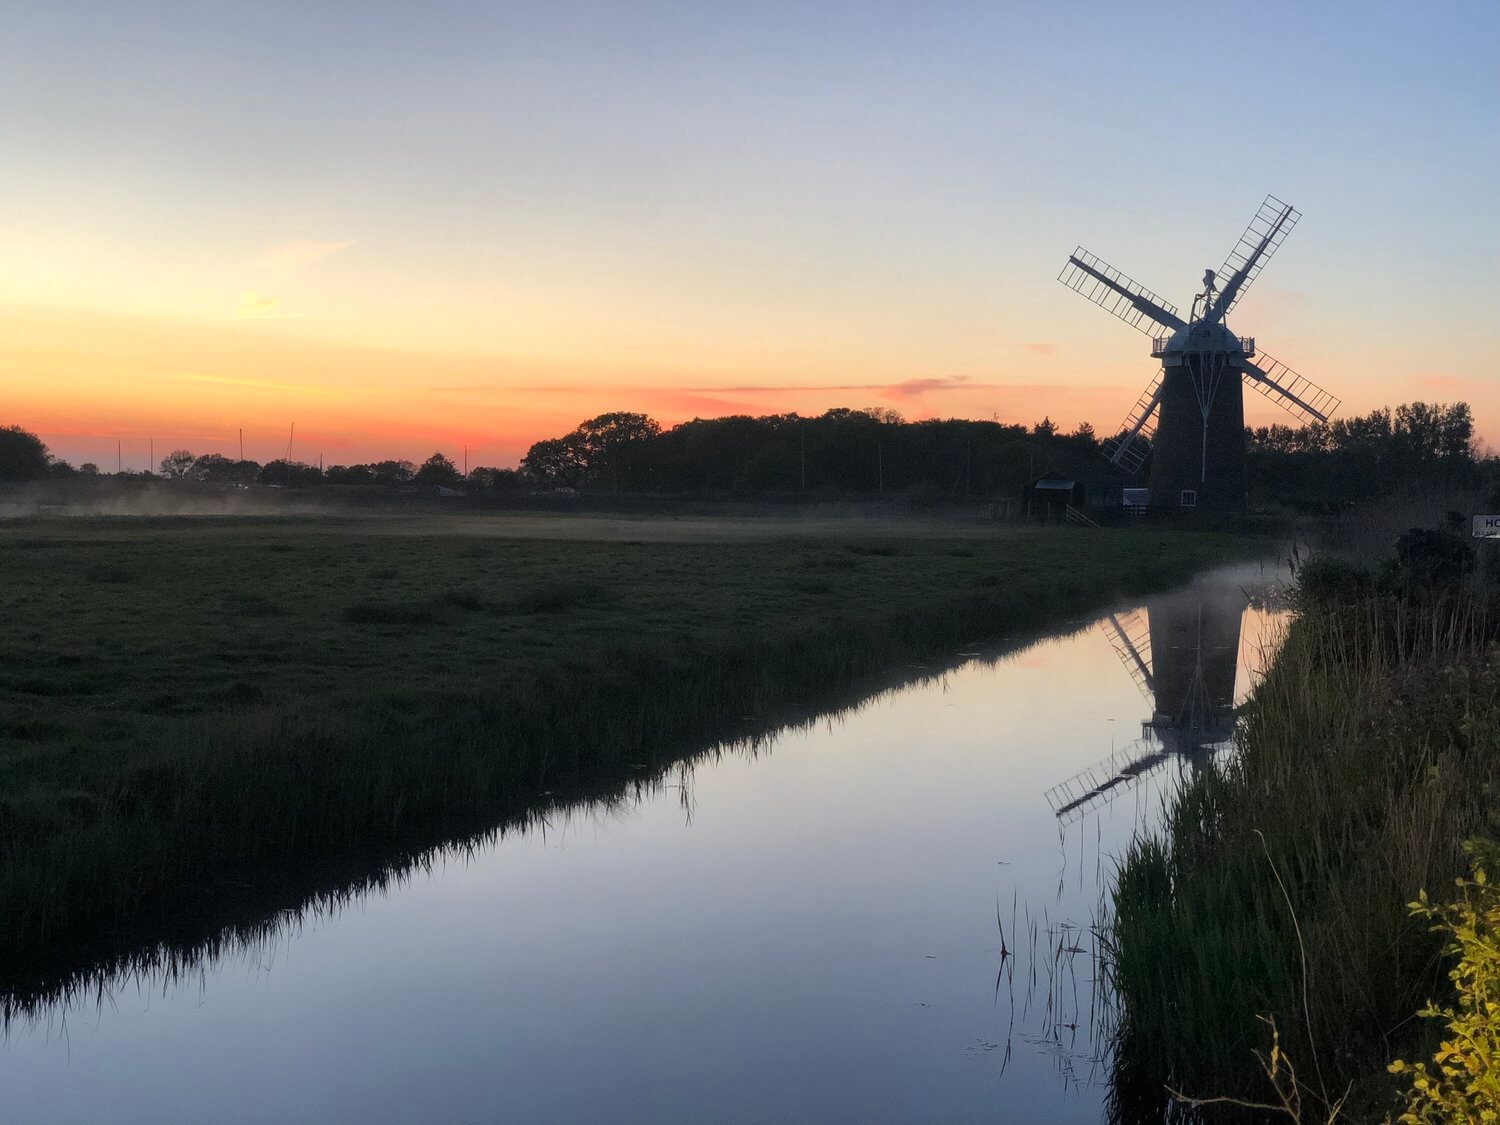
87 380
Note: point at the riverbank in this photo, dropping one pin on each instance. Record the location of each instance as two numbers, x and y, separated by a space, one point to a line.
1271 912
194 705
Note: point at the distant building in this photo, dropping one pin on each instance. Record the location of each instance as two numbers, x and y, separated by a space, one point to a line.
1050 496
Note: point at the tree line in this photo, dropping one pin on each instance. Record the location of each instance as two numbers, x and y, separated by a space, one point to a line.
848 452
841 451
1350 460
1319 467
25 457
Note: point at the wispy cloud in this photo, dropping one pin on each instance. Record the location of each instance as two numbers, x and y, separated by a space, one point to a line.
908 388
258 306
286 258
1041 349
263 384
916 388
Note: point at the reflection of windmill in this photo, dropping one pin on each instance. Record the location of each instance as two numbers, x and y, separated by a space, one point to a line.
1193 411
1183 656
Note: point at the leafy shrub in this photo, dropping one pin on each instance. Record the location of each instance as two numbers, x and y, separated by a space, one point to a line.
1463 1083
1325 580
1428 557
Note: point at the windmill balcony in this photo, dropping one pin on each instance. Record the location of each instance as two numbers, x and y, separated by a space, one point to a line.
1159 346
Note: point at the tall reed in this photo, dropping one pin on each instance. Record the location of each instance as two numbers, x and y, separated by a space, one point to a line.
1277 890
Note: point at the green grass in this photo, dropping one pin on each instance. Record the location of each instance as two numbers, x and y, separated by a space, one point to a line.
1278 889
193 706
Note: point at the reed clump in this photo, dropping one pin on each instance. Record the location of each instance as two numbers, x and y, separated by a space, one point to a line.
1275 895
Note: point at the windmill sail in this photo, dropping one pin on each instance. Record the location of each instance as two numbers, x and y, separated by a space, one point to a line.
1111 290
1128 447
1298 395
1262 238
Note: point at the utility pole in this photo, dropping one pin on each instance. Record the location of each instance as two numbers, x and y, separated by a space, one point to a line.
289 438
151 458
466 462
242 443
119 457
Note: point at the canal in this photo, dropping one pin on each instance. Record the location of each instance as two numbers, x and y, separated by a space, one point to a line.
881 915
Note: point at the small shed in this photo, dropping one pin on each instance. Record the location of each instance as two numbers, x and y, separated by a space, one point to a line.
1050 496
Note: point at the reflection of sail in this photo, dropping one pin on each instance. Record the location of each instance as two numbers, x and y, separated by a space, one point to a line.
1104 782
1183 657
1130 637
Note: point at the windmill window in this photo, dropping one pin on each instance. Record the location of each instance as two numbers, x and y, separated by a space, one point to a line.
1189 498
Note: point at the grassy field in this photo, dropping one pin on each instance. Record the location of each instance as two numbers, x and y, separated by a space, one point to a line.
194 705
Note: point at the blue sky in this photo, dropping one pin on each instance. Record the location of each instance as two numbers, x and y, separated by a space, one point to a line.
650 199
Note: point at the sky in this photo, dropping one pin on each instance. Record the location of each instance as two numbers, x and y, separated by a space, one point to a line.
406 228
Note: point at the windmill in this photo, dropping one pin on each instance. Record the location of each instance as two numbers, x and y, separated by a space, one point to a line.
1193 412
1183 653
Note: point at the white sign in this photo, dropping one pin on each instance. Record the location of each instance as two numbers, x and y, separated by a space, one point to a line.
1487 527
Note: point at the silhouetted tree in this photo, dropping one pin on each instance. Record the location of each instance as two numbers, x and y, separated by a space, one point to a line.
215 468
23 456
439 470
1326 466
290 474
1083 437
210 467
613 445
558 461
502 480
177 464
349 474
89 469
393 472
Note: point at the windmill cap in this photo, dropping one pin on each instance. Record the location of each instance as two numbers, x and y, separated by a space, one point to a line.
1203 336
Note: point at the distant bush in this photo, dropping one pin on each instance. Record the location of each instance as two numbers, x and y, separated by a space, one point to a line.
1326 580
1431 557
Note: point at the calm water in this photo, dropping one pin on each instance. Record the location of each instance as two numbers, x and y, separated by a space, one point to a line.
805 930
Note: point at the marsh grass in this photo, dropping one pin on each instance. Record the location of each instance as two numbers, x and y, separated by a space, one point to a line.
1275 897
165 765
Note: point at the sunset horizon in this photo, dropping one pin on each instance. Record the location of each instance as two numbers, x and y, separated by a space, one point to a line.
506 223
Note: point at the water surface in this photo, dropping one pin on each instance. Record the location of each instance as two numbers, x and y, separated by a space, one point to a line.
807 929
